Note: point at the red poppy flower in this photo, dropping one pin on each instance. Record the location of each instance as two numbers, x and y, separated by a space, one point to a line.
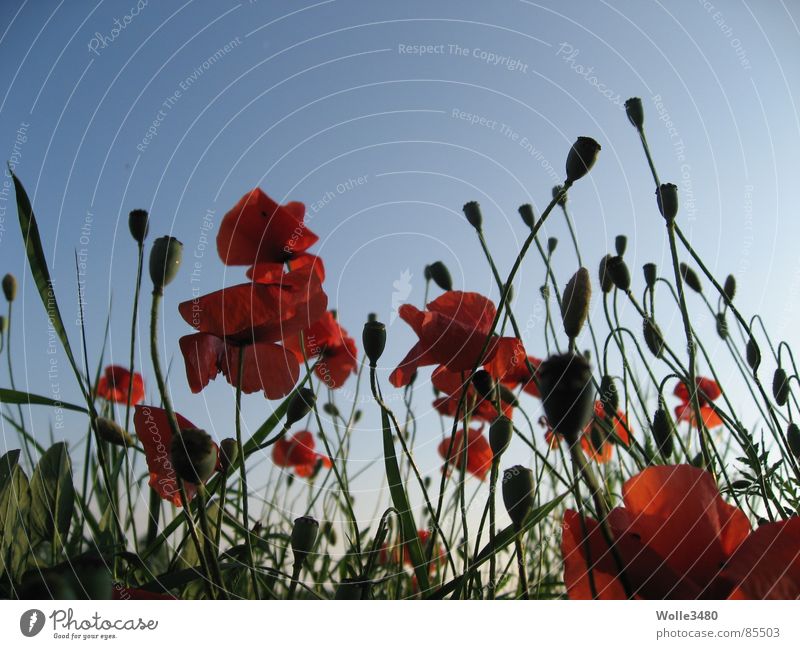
601 425
258 230
337 351
267 272
154 432
479 454
392 555
115 383
509 367
298 453
707 391
451 332
677 538
253 317
475 406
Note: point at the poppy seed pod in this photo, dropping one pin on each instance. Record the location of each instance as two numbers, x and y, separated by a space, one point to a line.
722 325
663 429
139 225
604 274
500 433
653 337
780 387
793 439
619 272
194 455
691 278
111 432
165 260
304 536
483 383
228 453
575 302
472 211
650 275
374 340
300 405
581 158
609 396
730 287
552 243
9 287
562 201
441 276
527 214
753 354
621 244
565 382
518 490
667 199
635 112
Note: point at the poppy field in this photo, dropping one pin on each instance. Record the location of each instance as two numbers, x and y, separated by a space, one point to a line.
642 477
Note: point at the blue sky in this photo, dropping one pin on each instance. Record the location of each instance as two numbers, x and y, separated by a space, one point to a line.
384 118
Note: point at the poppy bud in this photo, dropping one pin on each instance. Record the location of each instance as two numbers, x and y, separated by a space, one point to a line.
793 439
441 276
228 453
698 461
357 416
662 432
653 337
3 324
619 272
330 409
741 484
552 243
691 278
507 396
780 387
609 396
528 217
483 383
575 302
544 291
650 275
722 326
518 494
304 536
730 287
300 405
556 191
598 435
350 588
621 244
139 225
635 112
374 340
667 198
472 211
111 432
329 532
565 382
194 455
500 433
9 287
606 283
165 260
753 354
581 158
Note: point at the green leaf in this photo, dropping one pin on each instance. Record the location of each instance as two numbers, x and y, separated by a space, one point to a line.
25 398
15 501
52 496
40 272
408 527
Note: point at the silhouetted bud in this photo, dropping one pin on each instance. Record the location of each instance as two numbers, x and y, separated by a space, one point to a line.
562 201
635 112
329 532
753 354
500 433
351 588
165 260
111 432
518 489
619 272
575 302
691 278
228 453
604 273
330 409
527 214
650 275
507 396
194 455
472 211
544 291
722 325
138 224
300 405
483 383
9 287
441 276
609 396
663 430
374 340
3 324
741 484
667 199
653 337
552 243
621 244
581 158
357 416
565 382
304 536
780 387
730 287
793 439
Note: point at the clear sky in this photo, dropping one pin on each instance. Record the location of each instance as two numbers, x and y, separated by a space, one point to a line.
384 118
